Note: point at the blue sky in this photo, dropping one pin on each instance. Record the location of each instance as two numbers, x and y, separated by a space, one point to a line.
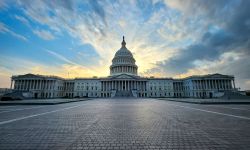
169 38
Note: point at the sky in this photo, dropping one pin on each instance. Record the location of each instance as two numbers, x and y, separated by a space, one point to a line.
168 38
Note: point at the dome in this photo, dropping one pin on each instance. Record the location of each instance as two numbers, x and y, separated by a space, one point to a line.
123 52
123 62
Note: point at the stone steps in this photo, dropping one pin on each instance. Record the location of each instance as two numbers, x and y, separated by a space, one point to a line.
123 94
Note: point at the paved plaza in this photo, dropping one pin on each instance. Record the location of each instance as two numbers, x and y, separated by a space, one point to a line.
125 124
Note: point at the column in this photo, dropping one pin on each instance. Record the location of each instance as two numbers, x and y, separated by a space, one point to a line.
105 86
109 85
219 83
31 84
223 84
39 84
212 84
102 86
24 84
119 85
207 84
35 84
143 86
44 84
19 84
125 85
11 83
234 84
230 84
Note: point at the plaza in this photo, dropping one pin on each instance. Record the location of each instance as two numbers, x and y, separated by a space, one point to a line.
125 123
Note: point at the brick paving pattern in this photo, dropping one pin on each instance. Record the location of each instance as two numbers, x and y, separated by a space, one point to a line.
126 124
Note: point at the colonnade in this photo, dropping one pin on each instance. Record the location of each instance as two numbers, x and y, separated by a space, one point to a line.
34 84
127 69
69 86
219 84
123 85
178 86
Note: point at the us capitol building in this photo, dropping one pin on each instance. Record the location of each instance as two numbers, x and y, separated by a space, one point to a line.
123 82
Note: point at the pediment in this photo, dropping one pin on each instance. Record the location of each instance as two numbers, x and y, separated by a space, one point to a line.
29 76
124 76
217 75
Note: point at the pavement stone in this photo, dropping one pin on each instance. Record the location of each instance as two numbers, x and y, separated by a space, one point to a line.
127 124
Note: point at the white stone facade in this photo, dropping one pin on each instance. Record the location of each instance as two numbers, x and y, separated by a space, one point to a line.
123 82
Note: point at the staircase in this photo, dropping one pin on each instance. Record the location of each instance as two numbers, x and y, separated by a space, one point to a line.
234 95
123 94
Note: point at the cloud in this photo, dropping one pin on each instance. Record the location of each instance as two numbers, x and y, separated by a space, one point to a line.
5 29
168 38
61 57
99 25
226 31
2 4
44 34
23 20
75 69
